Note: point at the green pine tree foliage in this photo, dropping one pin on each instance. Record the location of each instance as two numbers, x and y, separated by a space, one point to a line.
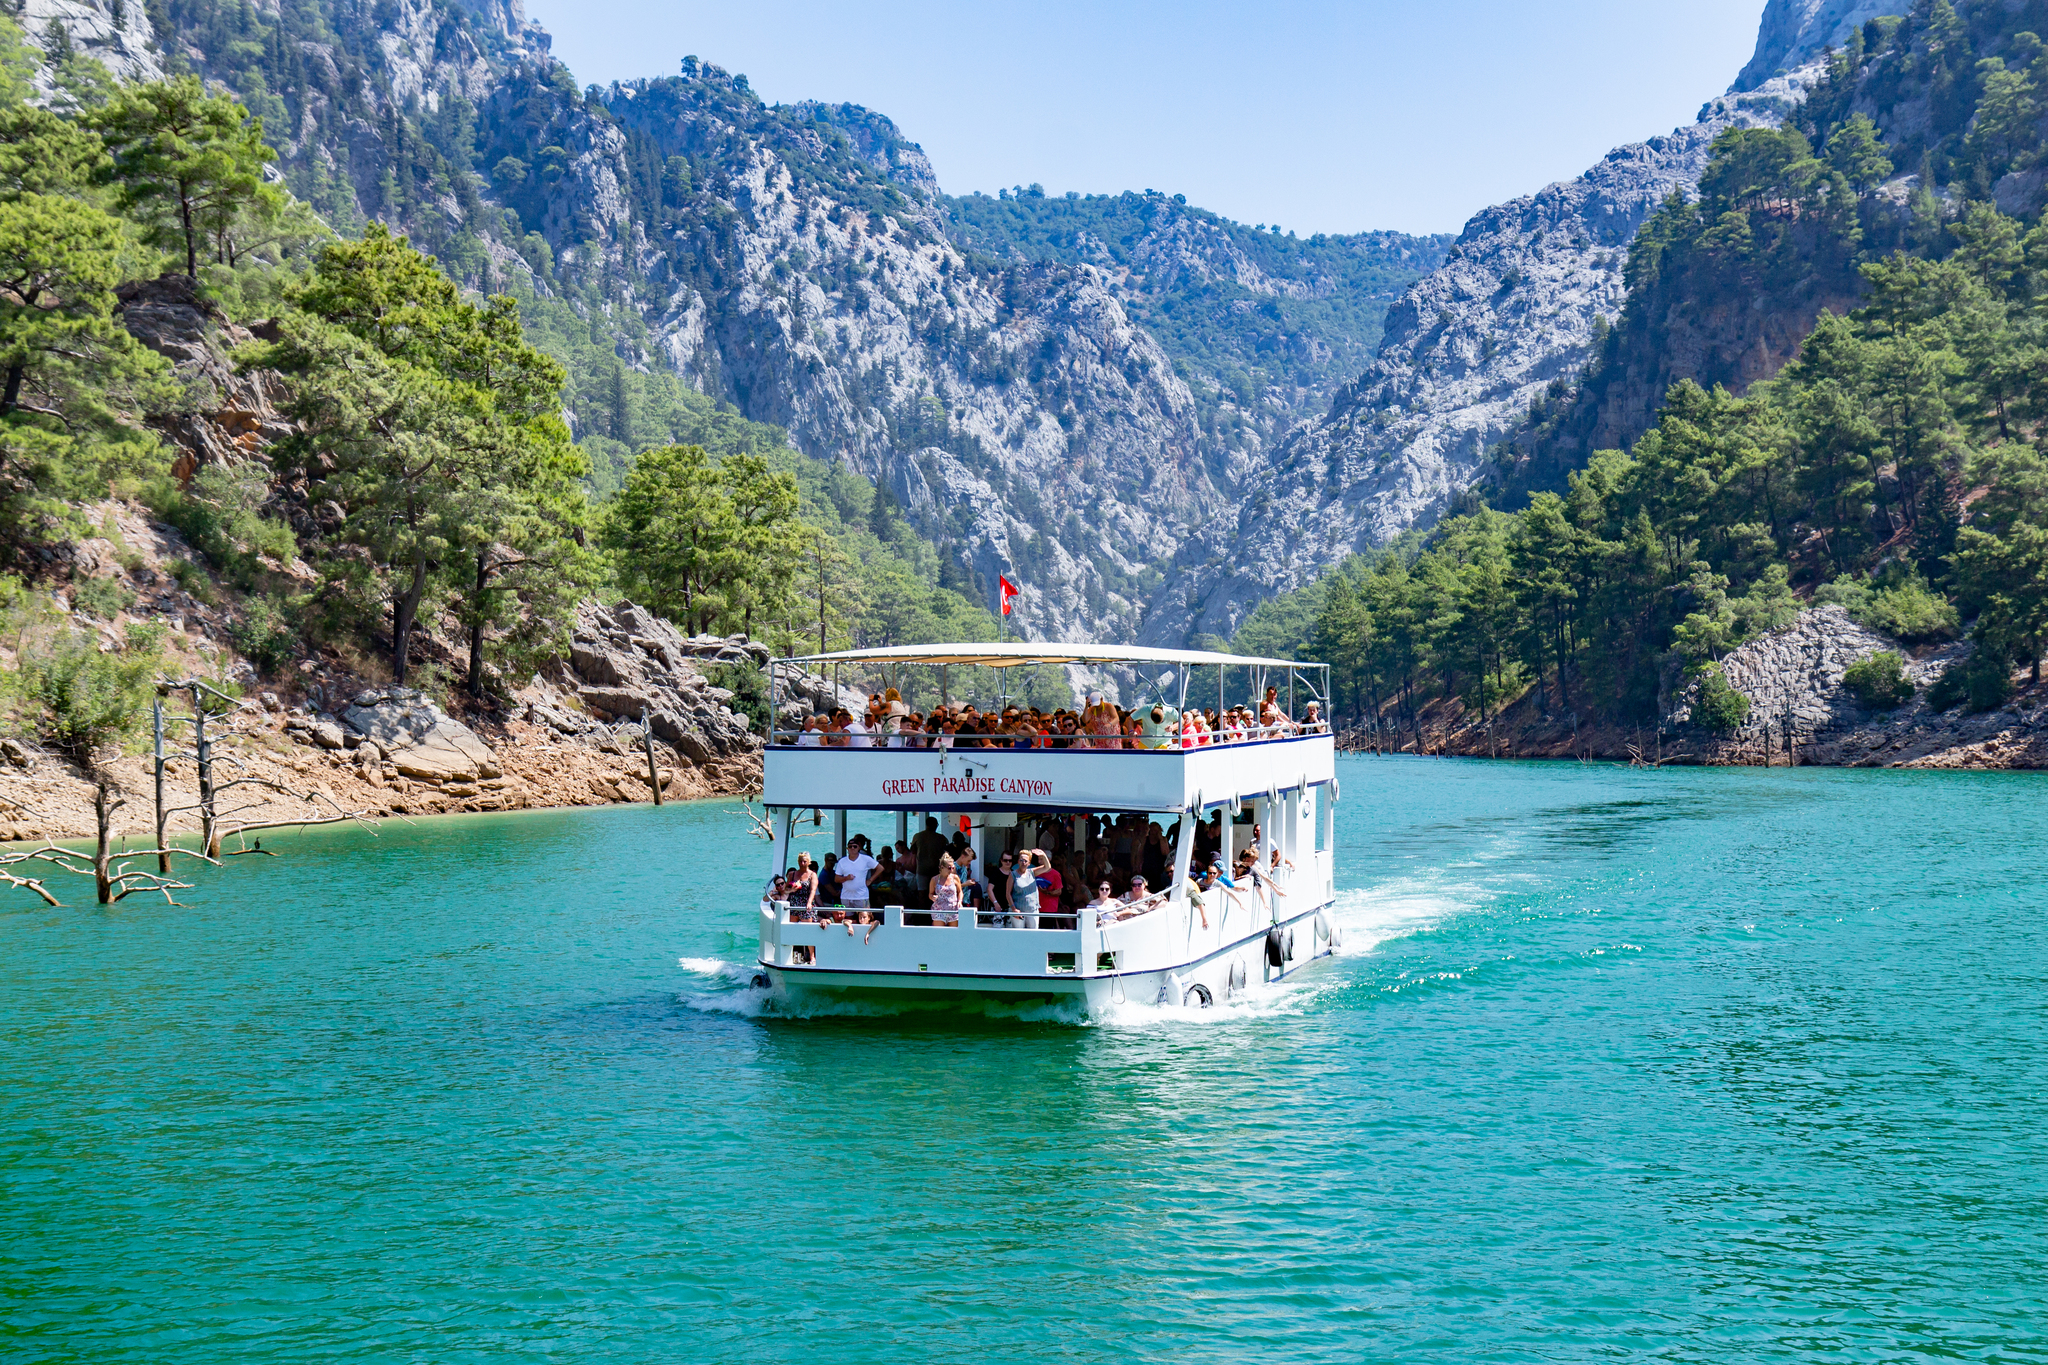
186 164
1842 479
72 380
433 427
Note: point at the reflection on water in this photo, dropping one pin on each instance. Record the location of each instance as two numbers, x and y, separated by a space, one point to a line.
1695 1065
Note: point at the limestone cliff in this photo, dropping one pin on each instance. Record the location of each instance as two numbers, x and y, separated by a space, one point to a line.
798 261
1510 316
1795 32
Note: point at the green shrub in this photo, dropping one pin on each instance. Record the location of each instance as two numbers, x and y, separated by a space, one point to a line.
1900 605
220 513
105 598
265 635
1982 682
1879 681
749 688
191 578
81 699
147 637
1719 707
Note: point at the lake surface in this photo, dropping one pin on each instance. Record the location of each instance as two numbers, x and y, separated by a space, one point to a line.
1691 1065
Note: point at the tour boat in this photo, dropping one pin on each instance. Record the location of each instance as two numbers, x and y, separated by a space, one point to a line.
1276 782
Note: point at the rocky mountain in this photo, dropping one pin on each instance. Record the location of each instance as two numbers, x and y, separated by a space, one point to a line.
1091 397
1796 32
1511 315
1264 327
1503 327
799 263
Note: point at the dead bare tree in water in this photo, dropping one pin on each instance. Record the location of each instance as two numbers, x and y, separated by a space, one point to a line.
758 823
113 880
208 700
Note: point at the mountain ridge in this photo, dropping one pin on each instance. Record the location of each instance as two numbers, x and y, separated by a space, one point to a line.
1029 407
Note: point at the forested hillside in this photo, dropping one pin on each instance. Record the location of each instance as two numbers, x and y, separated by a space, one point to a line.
368 463
789 262
1265 327
1891 466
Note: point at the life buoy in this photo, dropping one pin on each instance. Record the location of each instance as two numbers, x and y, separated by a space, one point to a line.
1276 948
1198 996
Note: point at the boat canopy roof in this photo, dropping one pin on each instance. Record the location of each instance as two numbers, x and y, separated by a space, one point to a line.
1012 655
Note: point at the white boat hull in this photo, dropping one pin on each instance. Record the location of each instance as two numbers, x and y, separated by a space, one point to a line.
1221 965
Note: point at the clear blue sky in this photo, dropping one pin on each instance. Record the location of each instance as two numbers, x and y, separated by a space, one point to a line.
1316 115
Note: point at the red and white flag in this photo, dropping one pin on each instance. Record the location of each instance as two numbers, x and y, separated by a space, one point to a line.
1009 590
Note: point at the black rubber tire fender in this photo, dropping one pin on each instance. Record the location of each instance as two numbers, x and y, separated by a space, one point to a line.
760 981
1198 996
1290 944
1276 948
1238 975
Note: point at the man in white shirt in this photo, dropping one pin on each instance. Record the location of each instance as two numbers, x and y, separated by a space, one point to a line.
812 735
856 733
855 870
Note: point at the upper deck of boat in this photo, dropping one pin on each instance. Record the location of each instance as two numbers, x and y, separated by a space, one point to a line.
932 773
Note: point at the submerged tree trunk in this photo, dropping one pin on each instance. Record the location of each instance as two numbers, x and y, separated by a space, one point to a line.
103 816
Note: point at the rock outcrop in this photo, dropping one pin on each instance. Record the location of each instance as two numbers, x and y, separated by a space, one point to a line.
1794 32
417 738
230 415
1800 712
1793 678
119 37
627 664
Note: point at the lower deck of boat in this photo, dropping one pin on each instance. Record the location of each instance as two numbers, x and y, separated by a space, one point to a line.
1271 953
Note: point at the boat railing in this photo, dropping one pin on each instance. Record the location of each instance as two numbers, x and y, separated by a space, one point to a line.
1092 744
976 917
985 916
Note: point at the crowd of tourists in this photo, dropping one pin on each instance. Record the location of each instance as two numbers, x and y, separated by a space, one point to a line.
1114 867
887 722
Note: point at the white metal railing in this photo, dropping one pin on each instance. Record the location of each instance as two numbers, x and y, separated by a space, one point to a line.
910 917
984 916
1049 743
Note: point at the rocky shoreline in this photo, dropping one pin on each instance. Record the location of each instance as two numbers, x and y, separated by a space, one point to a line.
323 739
1800 715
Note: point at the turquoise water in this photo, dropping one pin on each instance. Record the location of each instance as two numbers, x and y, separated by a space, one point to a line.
1684 1065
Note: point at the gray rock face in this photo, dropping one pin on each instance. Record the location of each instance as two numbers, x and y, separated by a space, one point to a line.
1794 676
1793 679
120 38
1794 32
418 738
1022 415
625 663
1468 348
236 411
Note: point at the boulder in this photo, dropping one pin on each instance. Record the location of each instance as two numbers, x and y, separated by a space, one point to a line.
419 739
